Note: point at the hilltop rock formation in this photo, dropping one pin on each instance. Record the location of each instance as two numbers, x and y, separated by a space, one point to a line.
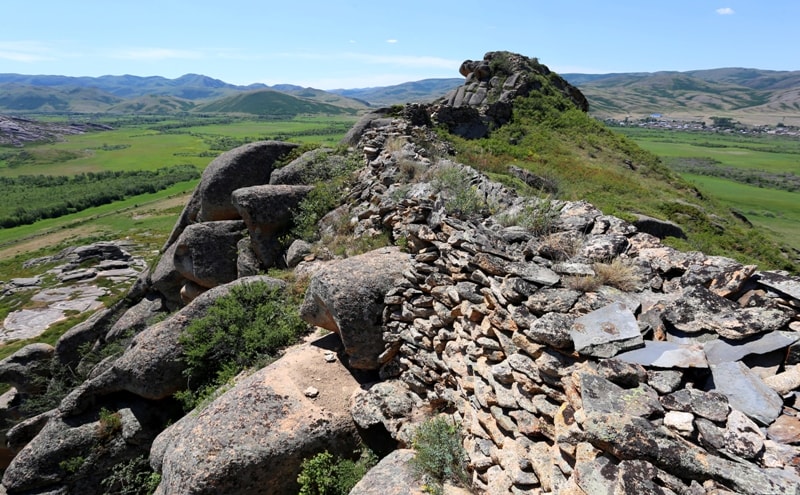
579 357
485 100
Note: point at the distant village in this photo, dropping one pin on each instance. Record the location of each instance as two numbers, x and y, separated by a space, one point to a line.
718 124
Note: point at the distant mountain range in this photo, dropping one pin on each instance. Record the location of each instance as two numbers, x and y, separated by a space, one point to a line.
750 95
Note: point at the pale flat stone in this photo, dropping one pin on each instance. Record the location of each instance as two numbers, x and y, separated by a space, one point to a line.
720 351
606 331
747 392
666 355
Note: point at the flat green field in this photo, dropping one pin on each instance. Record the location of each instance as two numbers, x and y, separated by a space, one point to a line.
753 157
141 144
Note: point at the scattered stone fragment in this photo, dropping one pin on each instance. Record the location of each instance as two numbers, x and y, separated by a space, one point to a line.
606 331
785 429
742 436
311 392
720 351
747 392
710 405
682 422
600 395
662 354
785 382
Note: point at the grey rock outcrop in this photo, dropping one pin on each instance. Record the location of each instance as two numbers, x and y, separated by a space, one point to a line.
267 211
247 165
485 100
206 254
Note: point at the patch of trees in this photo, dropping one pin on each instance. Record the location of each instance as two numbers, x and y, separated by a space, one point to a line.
784 181
29 198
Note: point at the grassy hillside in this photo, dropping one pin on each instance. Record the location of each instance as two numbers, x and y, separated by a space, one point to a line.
271 103
425 90
588 161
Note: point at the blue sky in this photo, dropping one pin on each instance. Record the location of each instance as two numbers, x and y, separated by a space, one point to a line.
351 44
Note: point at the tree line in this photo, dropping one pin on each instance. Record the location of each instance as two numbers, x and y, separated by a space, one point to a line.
29 198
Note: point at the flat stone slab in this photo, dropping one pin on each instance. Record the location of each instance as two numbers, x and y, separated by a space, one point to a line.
533 273
781 283
26 282
720 351
606 331
747 392
27 323
661 354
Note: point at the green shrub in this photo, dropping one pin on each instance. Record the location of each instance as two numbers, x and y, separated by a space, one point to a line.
110 422
325 474
461 197
539 218
440 455
133 477
245 328
73 464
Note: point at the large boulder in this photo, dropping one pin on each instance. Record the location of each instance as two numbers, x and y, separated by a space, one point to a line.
347 296
253 438
27 369
205 253
310 167
267 211
247 165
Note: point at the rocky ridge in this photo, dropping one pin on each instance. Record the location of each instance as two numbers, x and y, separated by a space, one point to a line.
582 356
16 131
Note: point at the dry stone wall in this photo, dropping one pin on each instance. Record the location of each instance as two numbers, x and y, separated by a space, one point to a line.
683 383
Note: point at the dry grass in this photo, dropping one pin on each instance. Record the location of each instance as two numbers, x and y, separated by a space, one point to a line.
561 246
617 273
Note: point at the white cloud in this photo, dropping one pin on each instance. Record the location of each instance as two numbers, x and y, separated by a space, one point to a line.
25 51
725 11
156 54
392 41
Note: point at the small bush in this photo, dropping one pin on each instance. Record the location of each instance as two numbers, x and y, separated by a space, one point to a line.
461 197
440 455
134 477
109 424
582 283
537 218
73 464
245 328
324 474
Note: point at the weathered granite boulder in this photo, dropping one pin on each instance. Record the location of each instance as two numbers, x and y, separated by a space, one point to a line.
347 298
205 253
310 167
267 211
247 165
27 369
253 438
393 475
166 279
88 444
